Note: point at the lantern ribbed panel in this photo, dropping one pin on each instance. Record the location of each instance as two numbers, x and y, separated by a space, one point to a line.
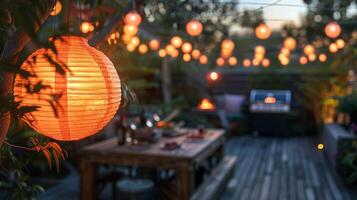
89 93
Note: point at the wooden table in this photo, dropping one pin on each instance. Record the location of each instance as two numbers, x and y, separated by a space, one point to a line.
183 160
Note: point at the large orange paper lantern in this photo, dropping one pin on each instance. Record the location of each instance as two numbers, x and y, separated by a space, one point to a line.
85 98
176 41
132 18
290 43
154 45
262 31
194 28
332 30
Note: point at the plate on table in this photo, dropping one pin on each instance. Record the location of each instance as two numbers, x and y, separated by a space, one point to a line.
170 146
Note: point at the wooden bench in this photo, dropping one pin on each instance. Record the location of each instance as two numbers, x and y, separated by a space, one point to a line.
213 187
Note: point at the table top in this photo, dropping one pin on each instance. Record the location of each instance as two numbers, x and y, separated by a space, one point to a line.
190 148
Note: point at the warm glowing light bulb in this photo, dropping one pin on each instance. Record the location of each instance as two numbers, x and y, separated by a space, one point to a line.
322 57
135 41
332 30
132 18
311 57
232 61
259 50
130 29
87 27
57 9
262 31
175 53
227 44
143 48
333 48
186 47
255 62
169 49
196 54
320 146
206 104
290 43
186 57
162 53
220 61
340 43
285 51
154 45
213 76
194 28
285 61
246 63
130 47
176 41
303 60
203 59
266 62
309 49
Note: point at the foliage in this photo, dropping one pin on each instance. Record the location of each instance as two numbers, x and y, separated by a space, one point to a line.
347 166
348 104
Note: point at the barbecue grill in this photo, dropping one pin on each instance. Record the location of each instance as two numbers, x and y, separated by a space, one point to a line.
269 110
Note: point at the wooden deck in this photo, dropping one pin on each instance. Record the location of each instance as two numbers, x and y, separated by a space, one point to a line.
282 168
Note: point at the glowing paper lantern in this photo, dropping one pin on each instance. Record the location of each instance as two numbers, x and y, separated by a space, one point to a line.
246 63
196 54
135 41
87 27
194 28
169 49
266 62
162 53
322 57
262 31
186 47
143 48
213 76
259 56
290 43
333 48
227 44
186 57
87 95
340 43
303 60
126 38
57 9
232 61
220 62
130 47
154 45
255 62
285 51
176 41
174 54
309 49
132 18
206 104
130 29
332 30
284 61
203 59
311 57
259 50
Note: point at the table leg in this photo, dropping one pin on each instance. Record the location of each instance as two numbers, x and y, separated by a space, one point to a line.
186 181
88 180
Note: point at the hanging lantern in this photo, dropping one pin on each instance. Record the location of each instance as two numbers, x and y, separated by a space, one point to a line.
135 41
259 56
194 28
255 62
206 104
143 48
262 31
86 97
126 38
303 60
132 18
285 51
186 57
87 27
213 76
259 50
232 61
162 53
332 30
169 49
266 62
340 43
57 9
130 47
290 43
227 45
333 48
322 57
175 53
309 49
246 63
176 41
311 57
220 61
154 45
196 54
285 61
203 59
130 29
186 47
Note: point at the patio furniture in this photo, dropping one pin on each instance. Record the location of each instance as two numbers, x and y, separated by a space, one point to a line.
184 161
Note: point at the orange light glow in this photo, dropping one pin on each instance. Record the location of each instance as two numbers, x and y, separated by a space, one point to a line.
232 61
57 9
285 51
227 44
259 56
169 49
130 47
255 62
130 29
290 43
259 50
333 48
303 60
186 57
135 41
87 95
322 57
285 61
162 53
132 18
340 43
246 63
186 47
154 45
206 104
196 54
203 59
312 57
213 76
220 61
262 31
174 53
266 62
176 41
126 38
332 30
309 49
269 100
87 27
143 48
320 146
194 28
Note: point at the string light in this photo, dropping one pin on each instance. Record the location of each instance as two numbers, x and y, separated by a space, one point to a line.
332 30
186 47
176 41
246 63
196 54
132 18
262 31
194 28
232 61
203 59
154 45
220 61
